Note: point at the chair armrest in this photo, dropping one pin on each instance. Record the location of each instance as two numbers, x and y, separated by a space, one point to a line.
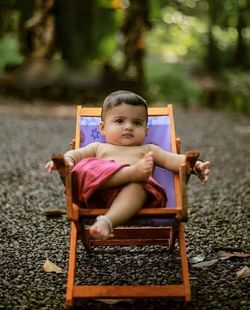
65 175
60 164
191 158
73 144
185 171
182 215
178 145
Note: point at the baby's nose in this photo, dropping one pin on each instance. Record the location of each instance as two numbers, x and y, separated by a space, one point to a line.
128 125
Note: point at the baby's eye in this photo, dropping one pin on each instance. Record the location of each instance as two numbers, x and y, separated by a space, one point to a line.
119 121
138 123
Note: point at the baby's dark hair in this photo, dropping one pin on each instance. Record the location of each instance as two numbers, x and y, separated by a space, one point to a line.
122 96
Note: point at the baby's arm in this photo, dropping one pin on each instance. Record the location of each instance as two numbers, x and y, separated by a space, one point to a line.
172 161
72 157
167 160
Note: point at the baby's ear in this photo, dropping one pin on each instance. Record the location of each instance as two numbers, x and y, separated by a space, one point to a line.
101 128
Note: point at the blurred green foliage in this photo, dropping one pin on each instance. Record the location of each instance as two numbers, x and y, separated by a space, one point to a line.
186 41
194 41
238 84
170 82
9 53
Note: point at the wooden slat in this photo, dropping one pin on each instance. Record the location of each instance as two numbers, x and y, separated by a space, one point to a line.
177 191
184 263
142 212
141 232
72 265
77 135
90 111
159 110
138 232
129 291
135 236
94 111
174 149
129 242
172 129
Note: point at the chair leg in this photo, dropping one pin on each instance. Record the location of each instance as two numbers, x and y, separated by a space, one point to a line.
71 266
82 232
172 240
184 263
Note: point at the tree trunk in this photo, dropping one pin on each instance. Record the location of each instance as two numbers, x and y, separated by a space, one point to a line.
241 51
135 24
74 26
213 56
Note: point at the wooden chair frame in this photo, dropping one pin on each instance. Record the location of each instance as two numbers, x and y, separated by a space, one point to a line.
130 235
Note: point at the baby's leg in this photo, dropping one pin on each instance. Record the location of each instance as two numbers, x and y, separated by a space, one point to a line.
127 203
138 172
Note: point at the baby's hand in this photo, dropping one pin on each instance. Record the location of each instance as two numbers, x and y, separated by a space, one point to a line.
202 170
50 166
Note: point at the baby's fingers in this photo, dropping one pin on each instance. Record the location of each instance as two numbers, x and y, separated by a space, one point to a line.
205 172
50 166
206 164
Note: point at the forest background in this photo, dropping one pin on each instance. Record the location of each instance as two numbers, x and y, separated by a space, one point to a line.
189 52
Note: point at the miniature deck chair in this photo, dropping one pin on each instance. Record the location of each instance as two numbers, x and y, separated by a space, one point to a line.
153 226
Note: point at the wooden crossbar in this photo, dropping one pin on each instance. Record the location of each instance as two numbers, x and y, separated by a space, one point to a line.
129 291
145 211
136 236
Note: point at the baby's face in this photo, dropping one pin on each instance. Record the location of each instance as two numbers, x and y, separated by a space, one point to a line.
125 125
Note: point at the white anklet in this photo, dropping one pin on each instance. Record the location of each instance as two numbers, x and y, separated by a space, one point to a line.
108 221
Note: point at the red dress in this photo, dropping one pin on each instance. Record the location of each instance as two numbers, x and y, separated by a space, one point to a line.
89 174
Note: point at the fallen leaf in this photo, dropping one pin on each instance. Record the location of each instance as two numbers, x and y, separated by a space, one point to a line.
243 273
51 267
205 264
227 249
197 259
54 213
191 210
226 255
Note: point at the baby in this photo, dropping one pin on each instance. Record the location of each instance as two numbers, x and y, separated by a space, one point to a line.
125 161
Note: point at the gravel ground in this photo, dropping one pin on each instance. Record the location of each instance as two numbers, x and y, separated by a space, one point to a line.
218 215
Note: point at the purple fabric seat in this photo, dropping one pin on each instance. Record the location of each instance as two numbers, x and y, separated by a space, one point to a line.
159 134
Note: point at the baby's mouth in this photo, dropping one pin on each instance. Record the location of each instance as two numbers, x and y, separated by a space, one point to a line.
127 135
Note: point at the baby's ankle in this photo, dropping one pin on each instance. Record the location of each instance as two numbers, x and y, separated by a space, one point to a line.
102 229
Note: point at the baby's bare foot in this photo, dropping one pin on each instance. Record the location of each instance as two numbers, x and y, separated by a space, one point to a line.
143 169
102 228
